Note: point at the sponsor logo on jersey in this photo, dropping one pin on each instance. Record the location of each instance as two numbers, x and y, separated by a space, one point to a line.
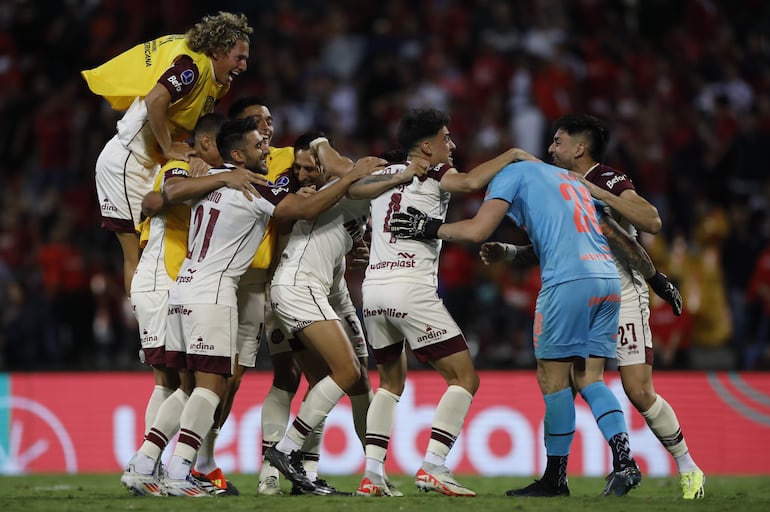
613 297
278 190
108 207
431 334
200 345
147 338
187 76
282 181
593 256
614 181
301 324
174 81
393 264
393 312
208 106
179 310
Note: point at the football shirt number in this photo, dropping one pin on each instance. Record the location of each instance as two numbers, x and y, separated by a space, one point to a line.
584 213
198 222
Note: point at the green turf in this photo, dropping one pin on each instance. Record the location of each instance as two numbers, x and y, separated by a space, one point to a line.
79 493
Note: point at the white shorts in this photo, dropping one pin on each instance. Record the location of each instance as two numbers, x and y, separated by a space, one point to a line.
634 334
414 312
251 315
278 339
121 184
151 312
207 335
345 309
299 306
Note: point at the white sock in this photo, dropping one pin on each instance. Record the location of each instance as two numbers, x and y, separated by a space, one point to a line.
166 424
157 397
205 462
275 416
447 423
379 427
662 420
195 422
316 406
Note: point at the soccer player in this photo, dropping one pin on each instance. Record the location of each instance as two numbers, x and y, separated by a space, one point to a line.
254 313
301 296
579 145
400 302
578 277
164 86
226 229
165 233
311 173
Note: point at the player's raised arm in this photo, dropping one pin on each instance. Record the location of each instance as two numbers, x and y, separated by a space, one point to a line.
293 207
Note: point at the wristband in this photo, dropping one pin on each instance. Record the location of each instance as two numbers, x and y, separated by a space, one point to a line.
315 142
510 252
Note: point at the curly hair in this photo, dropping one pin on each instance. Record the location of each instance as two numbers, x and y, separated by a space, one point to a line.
218 34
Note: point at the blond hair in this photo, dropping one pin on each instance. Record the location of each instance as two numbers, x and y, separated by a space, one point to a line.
218 34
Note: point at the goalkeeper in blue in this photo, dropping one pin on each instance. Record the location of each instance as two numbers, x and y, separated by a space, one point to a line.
576 315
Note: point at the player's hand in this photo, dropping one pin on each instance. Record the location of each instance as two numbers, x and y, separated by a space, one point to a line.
306 192
359 255
152 203
666 290
244 180
596 192
519 155
365 166
417 167
492 252
414 224
179 151
198 167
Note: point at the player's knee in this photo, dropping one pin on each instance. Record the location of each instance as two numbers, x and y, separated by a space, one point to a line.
641 397
347 378
470 382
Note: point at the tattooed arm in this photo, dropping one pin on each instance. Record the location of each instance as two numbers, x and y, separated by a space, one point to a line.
625 247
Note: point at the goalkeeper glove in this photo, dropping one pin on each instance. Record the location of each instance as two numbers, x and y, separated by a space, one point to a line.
666 290
414 224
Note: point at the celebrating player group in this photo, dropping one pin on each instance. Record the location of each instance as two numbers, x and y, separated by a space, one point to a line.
228 240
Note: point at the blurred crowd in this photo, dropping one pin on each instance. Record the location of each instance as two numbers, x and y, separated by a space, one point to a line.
684 84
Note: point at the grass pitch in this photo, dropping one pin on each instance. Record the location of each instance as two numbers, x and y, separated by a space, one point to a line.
84 493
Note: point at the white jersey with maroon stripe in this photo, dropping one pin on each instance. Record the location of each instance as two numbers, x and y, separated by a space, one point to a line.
316 247
225 231
412 261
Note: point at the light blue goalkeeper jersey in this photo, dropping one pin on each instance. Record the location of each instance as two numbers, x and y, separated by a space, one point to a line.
558 213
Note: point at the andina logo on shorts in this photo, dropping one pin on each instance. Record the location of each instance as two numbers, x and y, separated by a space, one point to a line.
431 334
200 346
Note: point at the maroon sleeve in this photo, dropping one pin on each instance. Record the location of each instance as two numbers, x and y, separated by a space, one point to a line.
610 179
436 172
283 185
176 172
180 78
